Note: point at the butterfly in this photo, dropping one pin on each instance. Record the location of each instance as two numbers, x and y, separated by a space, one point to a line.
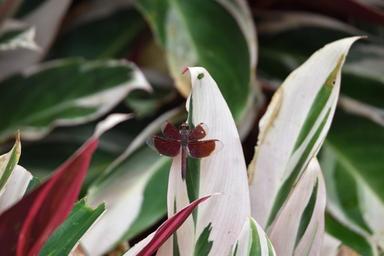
186 140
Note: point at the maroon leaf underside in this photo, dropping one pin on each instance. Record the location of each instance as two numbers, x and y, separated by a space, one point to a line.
169 227
26 226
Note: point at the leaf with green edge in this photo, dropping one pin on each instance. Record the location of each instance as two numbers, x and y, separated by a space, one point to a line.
14 35
128 191
352 161
104 37
154 241
103 85
189 41
279 57
253 241
67 235
46 19
288 142
8 162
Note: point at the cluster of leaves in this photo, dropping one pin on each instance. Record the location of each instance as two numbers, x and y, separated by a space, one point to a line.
65 65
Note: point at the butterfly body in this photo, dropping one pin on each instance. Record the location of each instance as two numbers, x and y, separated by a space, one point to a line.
184 141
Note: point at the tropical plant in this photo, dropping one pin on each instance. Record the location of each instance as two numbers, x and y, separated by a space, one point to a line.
278 186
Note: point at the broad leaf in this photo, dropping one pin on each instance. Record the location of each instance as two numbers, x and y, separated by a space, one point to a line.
293 129
65 92
224 172
209 41
66 237
103 37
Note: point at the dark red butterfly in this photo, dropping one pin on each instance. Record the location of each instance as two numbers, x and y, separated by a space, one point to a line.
185 139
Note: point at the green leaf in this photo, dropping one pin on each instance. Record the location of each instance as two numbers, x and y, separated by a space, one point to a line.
352 163
68 234
65 92
357 242
8 162
105 37
208 41
203 245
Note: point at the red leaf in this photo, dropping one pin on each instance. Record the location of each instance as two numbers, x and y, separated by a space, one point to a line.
27 225
169 227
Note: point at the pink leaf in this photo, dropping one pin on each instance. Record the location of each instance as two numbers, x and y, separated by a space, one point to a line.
169 227
28 224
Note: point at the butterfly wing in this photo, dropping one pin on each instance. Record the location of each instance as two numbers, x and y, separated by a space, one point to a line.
165 146
170 131
201 149
197 133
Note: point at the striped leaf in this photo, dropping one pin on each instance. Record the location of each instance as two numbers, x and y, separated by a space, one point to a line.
253 241
204 42
293 129
83 91
224 172
299 227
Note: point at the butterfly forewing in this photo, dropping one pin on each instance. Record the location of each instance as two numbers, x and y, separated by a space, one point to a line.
165 146
200 149
198 133
170 131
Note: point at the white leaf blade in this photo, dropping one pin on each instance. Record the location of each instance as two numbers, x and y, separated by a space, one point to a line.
15 187
225 171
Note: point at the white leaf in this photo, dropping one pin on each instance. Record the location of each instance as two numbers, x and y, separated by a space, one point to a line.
224 172
15 187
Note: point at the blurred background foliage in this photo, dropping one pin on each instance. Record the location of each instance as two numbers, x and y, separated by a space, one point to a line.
249 52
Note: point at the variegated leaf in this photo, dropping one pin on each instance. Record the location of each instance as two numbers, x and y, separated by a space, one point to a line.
14 35
293 129
253 241
299 226
186 44
224 172
95 88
